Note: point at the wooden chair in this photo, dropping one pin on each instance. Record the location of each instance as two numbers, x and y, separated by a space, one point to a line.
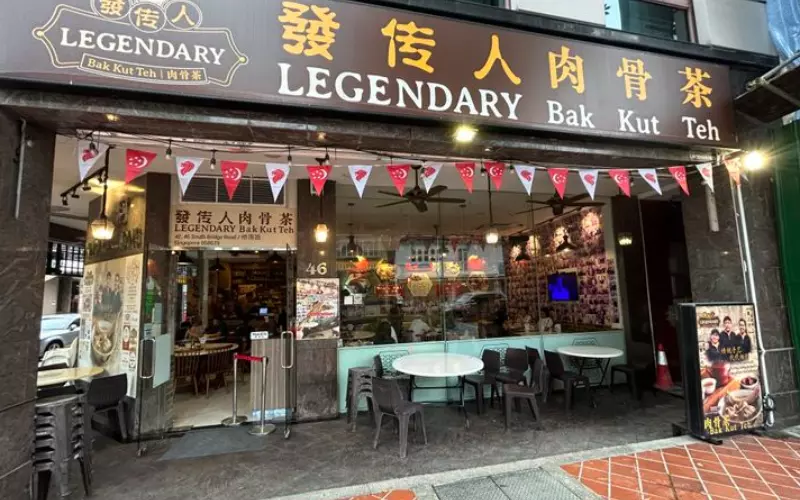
218 364
186 370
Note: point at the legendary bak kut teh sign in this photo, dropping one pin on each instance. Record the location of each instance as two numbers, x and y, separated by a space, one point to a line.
232 226
357 57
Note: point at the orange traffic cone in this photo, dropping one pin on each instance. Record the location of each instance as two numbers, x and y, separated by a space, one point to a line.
663 378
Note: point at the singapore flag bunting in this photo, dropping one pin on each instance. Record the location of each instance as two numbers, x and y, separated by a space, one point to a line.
186 168
278 174
232 173
589 178
360 175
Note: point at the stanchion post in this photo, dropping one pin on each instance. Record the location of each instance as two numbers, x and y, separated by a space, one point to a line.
263 428
235 419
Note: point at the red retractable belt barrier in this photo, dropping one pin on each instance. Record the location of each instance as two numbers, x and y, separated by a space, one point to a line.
245 357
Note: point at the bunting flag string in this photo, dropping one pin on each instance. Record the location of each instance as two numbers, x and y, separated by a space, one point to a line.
232 173
278 174
399 176
429 174
589 178
88 156
526 174
706 171
623 180
136 161
679 173
651 177
495 171
186 168
360 175
467 172
559 176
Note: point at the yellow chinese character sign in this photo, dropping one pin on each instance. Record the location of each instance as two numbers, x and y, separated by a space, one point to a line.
496 55
413 41
310 36
113 8
147 19
635 77
696 91
564 66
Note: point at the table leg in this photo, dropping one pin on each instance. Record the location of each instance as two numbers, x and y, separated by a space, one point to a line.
603 370
463 405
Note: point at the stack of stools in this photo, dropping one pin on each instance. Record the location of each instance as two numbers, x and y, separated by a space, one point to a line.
359 383
61 437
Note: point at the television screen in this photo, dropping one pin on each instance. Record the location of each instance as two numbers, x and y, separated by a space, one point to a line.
562 287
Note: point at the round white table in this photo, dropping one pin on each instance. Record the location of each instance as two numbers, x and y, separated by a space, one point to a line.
439 365
603 356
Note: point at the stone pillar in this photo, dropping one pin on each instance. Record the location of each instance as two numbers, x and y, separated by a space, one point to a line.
23 248
716 272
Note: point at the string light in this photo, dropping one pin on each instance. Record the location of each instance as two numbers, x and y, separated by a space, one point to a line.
213 161
168 156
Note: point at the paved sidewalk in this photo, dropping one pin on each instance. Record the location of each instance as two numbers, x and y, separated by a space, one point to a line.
743 468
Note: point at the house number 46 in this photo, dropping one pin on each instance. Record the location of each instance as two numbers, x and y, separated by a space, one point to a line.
317 269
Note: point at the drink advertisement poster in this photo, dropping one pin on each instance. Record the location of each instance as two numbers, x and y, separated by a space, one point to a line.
721 368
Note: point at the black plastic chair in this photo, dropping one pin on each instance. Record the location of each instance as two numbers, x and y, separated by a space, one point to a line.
491 367
515 368
107 394
639 371
387 399
570 379
382 364
514 392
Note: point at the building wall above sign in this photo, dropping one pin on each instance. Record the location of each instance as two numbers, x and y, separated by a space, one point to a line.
355 57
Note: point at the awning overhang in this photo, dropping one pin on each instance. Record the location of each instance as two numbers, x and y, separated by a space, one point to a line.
772 95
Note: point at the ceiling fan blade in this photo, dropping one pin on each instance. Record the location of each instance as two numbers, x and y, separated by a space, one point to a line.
572 199
393 204
445 200
592 204
548 202
436 190
388 193
420 205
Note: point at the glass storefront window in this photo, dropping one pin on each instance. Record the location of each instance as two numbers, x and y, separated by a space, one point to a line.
424 272
648 18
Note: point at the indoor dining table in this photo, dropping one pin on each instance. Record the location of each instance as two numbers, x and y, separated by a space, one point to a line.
439 365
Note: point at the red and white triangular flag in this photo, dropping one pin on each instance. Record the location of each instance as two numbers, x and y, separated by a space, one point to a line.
278 174
467 171
734 166
318 175
88 157
651 177
399 175
186 168
429 173
590 178
495 170
706 171
232 173
360 175
526 174
623 180
136 161
558 176
679 173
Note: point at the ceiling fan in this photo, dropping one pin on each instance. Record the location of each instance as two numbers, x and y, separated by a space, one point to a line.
492 224
558 205
418 197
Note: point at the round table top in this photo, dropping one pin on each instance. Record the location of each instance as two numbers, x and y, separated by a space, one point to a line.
438 364
205 349
362 335
64 375
590 351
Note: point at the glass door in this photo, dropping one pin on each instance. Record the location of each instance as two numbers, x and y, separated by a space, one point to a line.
156 313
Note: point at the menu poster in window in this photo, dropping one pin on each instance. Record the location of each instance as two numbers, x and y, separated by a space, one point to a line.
110 317
721 368
317 308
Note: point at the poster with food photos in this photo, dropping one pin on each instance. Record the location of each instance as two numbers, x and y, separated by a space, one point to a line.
318 308
110 305
727 384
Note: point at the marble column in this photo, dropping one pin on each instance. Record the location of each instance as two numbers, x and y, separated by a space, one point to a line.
23 247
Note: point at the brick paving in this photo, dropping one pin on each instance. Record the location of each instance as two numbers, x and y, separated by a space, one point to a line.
387 495
743 468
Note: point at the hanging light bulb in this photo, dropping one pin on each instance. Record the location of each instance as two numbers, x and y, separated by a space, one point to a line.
168 156
93 147
492 236
321 233
64 200
102 228
289 158
213 159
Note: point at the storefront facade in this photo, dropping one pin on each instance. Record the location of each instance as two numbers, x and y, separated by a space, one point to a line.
391 84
